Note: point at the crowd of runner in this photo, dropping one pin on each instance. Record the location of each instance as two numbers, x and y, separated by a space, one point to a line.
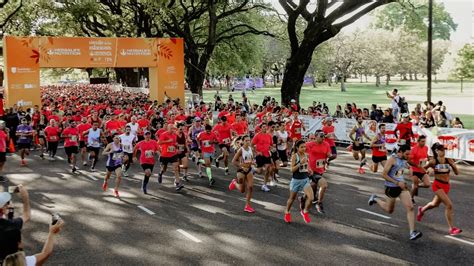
101 127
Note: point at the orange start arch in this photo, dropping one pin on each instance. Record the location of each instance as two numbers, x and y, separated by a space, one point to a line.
24 56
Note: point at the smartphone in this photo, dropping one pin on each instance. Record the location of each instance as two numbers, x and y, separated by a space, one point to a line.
55 218
13 189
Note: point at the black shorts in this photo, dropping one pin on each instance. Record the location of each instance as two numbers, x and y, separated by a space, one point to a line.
262 160
113 168
167 160
334 150
148 166
407 143
245 172
180 155
82 144
3 157
94 149
283 155
24 146
315 177
393 192
358 147
221 146
379 159
195 149
275 156
419 175
129 156
71 150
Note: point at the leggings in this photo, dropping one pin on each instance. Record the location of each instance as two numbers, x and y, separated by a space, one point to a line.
52 148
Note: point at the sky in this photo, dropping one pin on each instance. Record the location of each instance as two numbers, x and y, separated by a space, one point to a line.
462 12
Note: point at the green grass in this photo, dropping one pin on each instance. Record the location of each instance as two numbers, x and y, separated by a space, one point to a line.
364 94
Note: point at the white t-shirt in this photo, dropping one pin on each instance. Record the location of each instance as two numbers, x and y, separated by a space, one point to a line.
284 136
30 260
395 101
133 128
127 142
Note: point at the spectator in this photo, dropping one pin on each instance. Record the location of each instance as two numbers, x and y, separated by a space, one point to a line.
443 120
395 102
428 121
5 205
457 123
338 113
388 117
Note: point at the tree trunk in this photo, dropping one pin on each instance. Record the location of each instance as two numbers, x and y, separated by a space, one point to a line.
387 79
462 85
275 81
89 73
360 78
128 76
343 83
416 76
329 79
366 80
264 72
377 80
314 81
411 76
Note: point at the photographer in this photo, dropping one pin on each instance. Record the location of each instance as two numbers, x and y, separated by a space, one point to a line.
6 208
11 246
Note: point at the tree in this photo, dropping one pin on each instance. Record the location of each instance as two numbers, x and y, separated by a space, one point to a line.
465 64
410 15
8 9
327 19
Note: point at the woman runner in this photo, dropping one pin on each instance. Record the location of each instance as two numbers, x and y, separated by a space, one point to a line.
441 186
114 163
243 160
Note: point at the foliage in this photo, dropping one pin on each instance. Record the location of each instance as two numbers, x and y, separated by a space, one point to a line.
465 63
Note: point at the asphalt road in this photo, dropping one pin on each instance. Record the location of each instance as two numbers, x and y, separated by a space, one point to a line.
207 226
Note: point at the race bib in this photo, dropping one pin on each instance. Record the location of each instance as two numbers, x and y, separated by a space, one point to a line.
320 163
298 130
73 138
303 168
206 144
226 141
113 131
171 149
41 132
117 156
360 139
180 147
53 138
127 147
442 168
382 148
331 136
402 142
149 154
423 162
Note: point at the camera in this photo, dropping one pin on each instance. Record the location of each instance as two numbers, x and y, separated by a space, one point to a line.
55 218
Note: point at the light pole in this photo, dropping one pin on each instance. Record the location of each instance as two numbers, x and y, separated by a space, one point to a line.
430 48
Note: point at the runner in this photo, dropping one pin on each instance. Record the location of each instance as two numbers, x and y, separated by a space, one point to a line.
262 142
182 154
128 140
276 161
169 154
194 131
134 127
223 132
24 132
282 143
358 143
148 148
71 144
52 137
441 186
243 160
206 141
404 128
83 127
4 139
379 152
115 158
40 126
395 187
328 130
319 153
299 182
419 159
95 136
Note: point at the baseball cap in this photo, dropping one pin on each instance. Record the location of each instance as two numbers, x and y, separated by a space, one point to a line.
197 119
147 133
4 198
405 115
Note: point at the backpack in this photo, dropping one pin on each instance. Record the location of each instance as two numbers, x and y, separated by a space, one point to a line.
402 104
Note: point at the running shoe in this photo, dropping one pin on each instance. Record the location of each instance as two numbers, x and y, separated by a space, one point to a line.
74 170
42 156
212 182
185 177
319 208
125 173
361 171
420 213
226 172
116 193
248 209
160 178
104 186
305 217
179 186
287 218
454 231
415 235
84 163
272 184
23 163
349 148
372 200
232 184
217 163
265 188
92 169
144 190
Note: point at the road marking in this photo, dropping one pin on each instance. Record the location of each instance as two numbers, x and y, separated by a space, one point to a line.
91 177
146 210
461 240
373 213
188 235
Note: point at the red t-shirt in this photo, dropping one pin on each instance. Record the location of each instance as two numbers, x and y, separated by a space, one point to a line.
330 137
180 118
404 130
223 133
419 156
143 124
207 141
55 117
3 141
318 153
295 130
83 128
147 151
52 133
112 127
240 127
263 142
168 149
71 136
